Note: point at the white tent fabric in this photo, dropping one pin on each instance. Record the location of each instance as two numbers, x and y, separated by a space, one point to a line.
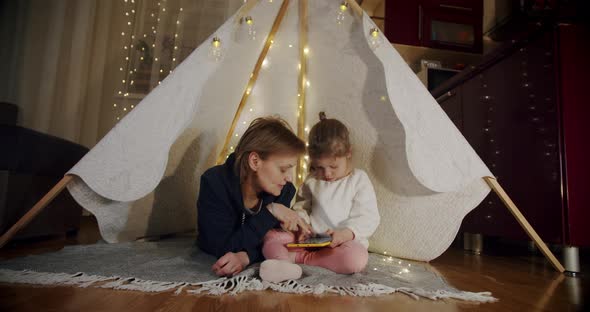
142 178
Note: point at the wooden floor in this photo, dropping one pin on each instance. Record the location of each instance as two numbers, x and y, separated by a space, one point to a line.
520 280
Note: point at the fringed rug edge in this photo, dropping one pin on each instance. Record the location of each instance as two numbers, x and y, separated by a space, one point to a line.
232 286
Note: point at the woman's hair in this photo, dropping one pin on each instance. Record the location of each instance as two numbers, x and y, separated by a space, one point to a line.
266 136
328 137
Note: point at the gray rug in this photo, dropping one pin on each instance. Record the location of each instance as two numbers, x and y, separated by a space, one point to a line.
177 264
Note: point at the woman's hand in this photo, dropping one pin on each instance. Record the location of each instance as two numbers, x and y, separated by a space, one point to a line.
290 220
340 236
231 263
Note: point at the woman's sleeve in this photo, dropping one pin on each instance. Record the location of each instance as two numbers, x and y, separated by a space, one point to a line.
217 225
364 215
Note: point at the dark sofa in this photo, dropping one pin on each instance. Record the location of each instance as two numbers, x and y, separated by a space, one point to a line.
31 163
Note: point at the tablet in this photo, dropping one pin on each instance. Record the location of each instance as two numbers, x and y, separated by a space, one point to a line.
316 241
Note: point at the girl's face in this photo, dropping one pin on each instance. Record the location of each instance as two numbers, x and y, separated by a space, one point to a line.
330 168
271 174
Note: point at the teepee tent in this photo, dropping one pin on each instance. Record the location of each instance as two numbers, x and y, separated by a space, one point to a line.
295 59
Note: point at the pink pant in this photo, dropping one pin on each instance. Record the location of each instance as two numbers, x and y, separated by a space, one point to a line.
348 258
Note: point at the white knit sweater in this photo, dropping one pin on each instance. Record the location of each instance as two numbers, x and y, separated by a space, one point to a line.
349 202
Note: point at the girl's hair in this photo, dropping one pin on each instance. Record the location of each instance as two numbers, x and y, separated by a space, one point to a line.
266 136
328 137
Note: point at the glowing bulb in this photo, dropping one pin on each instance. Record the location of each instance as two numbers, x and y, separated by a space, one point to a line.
375 40
215 52
115 105
249 20
341 16
374 32
216 42
305 51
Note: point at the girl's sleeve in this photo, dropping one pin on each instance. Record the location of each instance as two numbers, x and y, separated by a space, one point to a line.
364 215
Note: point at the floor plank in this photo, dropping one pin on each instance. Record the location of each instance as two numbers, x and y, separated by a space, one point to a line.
520 280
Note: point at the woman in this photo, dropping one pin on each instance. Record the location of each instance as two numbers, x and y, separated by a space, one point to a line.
241 200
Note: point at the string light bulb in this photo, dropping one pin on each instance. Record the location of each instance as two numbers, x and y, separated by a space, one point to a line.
342 12
375 38
246 30
215 52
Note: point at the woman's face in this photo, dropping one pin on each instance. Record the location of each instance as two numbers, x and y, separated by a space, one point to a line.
271 174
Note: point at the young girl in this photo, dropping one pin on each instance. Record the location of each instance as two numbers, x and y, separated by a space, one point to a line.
342 204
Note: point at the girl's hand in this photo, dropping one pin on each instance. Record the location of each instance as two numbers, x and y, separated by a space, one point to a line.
231 263
301 236
340 236
290 220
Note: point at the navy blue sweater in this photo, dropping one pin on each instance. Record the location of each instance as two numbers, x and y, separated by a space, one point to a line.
224 224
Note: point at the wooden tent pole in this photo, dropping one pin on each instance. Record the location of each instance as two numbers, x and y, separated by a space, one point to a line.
301 88
28 217
253 77
355 7
493 183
